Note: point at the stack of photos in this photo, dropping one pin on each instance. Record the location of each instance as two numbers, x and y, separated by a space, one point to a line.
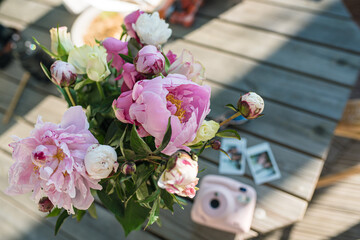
260 159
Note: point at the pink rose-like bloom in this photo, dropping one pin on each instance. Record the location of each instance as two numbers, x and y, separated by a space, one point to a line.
113 48
129 21
171 56
51 162
186 65
130 76
149 60
151 102
181 179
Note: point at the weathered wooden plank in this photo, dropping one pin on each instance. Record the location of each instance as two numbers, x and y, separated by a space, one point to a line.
32 103
340 33
335 7
105 226
23 10
284 125
274 49
299 172
322 222
315 96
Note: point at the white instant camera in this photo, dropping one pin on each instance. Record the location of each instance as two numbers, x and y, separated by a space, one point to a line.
225 204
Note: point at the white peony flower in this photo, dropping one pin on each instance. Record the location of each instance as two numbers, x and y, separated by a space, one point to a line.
251 105
186 65
207 131
90 60
100 161
151 29
65 39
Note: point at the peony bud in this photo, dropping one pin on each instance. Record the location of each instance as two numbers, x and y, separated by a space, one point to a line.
149 60
251 105
61 34
128 168
63 74
100 161
151 29
181 178
45 205
215 144
207 131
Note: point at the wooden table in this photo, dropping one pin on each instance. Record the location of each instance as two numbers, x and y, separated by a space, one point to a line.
301 56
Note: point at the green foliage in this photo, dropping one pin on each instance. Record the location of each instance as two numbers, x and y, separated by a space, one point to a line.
60 221
229 133
54 213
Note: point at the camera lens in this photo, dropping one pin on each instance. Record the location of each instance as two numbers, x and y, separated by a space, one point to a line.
214 203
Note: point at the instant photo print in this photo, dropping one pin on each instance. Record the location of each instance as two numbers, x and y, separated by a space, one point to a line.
262 163
235 162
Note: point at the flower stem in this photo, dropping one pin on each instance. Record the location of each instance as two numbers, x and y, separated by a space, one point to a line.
230 118
67 90
101 91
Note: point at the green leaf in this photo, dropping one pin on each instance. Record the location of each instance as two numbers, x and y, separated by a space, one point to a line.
82 84
154 213
168 199
129 154
151 197
45 49
114 133
138 145
60 49
167 63
229 133
62 91
92 211
166 139
55 212
134 216
111 202
79 214
121 144
46 71
142 192
126 58
223 151
60 221
202 148
232 107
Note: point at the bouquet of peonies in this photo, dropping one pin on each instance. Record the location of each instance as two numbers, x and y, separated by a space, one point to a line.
136 144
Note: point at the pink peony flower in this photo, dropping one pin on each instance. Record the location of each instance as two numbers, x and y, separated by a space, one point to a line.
113 48
129 21
171 56
186 65
151 102
131 76
149 60
181 179
51 162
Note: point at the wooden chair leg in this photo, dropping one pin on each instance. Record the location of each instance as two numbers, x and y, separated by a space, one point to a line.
327 180
9 112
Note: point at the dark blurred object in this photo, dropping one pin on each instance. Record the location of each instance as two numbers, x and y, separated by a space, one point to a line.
6 45
353 6
30 56
185 11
